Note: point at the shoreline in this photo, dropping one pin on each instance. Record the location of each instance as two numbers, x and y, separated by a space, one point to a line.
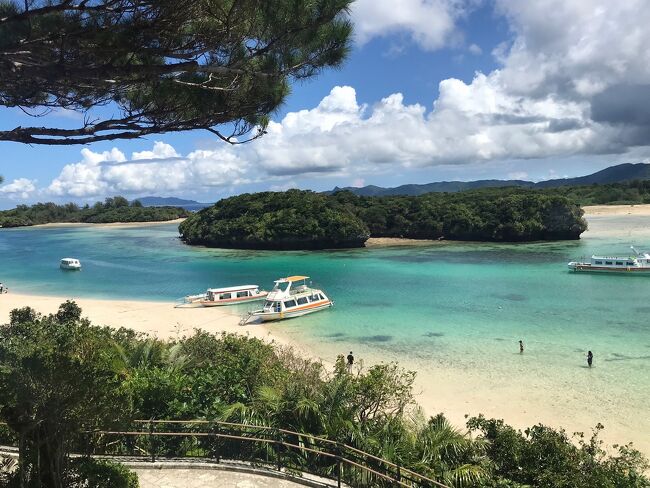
641 210
435 390
158 319
54 225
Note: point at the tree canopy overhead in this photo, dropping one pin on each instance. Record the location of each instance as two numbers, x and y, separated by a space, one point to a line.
168 65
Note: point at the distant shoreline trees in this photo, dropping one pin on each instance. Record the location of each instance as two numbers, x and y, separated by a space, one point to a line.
113 209
306 220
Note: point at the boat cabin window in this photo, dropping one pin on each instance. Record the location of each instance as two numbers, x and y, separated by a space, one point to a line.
629 263
242 294
619 263
289 303
321 297
599 262
281 286
608 262
224 296
302 300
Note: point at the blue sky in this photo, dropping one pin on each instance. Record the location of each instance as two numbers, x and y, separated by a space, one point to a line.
438 89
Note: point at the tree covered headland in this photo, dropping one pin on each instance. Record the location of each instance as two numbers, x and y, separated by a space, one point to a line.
293 219
115 209
61 376
298 219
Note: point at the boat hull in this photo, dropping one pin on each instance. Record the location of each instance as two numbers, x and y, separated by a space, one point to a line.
70 268
588 268
274 316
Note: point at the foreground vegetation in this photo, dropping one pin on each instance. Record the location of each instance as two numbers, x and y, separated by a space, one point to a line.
306 220
116 209
59 376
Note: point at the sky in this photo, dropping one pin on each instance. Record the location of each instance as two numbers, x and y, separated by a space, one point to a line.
433 90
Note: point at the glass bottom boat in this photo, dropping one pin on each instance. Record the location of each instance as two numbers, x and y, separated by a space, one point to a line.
291 297
219 297
638 264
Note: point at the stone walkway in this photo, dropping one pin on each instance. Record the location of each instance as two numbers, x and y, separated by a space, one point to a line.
197 478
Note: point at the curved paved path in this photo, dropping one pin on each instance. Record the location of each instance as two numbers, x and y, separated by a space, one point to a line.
198 478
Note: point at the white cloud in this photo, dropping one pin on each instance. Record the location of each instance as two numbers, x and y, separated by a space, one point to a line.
430 23
475 49
158 170
567 61
20 188
160 151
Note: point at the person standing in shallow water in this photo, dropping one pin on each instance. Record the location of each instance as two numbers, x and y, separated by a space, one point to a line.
521 347
350 361
590 358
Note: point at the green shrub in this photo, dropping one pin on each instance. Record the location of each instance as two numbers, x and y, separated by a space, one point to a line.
85 472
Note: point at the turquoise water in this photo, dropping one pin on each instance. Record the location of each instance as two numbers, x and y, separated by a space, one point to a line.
453 311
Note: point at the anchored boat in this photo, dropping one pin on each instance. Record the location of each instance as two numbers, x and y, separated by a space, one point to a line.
291 297
637 264
218 297
70 264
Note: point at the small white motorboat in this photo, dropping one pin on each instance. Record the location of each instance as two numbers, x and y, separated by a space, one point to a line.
291 297
218 297
70 264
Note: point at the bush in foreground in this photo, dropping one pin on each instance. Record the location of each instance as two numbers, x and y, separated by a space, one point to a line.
60 375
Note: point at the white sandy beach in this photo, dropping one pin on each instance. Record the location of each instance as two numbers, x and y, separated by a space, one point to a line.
617 210
159 319
112 224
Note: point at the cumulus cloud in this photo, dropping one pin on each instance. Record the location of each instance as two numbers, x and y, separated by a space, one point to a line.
573 80
161 169
430 23
20 188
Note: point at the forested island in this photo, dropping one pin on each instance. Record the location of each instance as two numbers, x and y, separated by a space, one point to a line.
50 364
294 219
115 209
298 219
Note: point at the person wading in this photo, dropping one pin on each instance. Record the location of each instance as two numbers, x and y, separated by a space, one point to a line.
590 358
521 347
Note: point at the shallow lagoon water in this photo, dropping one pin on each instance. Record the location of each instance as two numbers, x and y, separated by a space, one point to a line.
452 311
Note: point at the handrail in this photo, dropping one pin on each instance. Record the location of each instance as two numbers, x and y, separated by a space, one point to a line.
414 478
341 453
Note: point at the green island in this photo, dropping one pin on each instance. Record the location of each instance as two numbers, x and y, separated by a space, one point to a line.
298 219
62 377
112 210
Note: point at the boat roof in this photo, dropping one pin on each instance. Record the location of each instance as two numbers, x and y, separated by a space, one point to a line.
233 288
291 279
69 259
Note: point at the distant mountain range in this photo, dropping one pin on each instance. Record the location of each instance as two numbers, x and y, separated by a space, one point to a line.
614 174
172 202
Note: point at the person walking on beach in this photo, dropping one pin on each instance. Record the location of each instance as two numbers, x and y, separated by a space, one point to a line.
350 361
521 347
590 358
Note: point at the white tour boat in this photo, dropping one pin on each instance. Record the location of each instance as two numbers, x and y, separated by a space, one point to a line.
637 264
291 297
218 297
70 263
